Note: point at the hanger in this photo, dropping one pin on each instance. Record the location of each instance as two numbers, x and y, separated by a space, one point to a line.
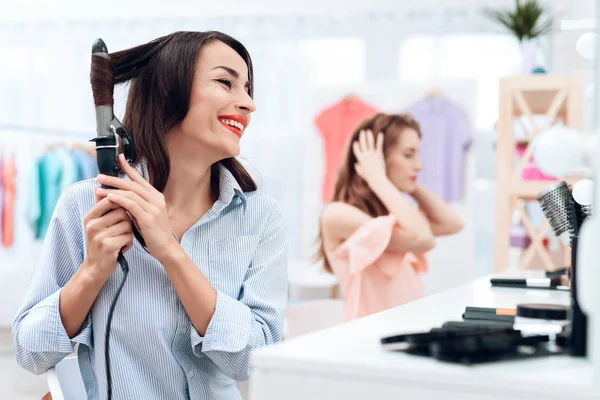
50 147
435 91
349 97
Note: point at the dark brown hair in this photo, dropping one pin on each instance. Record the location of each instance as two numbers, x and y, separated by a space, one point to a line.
350 188
161 74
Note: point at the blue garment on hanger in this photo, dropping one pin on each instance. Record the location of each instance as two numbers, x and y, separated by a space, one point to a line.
68 175
47 178
87 164
78 167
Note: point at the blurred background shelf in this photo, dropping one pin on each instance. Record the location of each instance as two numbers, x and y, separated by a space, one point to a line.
557 98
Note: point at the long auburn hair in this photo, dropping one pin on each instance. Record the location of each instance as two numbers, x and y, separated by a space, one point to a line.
161 74
350 188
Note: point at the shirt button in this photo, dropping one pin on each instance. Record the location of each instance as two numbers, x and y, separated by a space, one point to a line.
191 373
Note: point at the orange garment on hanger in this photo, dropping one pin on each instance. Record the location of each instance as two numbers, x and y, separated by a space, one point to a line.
335 124
9 172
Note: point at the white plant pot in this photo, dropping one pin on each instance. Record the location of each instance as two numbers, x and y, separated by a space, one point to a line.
532 56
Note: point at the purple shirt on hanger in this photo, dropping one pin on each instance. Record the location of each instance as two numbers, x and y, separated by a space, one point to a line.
446 136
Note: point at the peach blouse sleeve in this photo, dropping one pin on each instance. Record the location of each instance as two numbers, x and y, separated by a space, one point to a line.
369 242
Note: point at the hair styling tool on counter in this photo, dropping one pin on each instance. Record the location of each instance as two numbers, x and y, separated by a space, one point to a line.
108 127
566 216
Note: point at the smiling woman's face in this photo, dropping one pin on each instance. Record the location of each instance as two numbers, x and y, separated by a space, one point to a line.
220 106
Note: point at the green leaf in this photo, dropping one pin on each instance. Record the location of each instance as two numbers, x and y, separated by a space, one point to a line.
527 20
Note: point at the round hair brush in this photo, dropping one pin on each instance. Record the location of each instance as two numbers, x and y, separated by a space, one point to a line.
566 217
556 202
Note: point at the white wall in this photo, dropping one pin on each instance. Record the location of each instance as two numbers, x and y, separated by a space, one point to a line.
30 10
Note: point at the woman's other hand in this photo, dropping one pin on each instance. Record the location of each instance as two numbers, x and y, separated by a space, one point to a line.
145 204
370 159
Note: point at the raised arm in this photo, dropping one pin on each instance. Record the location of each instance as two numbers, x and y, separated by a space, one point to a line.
442 217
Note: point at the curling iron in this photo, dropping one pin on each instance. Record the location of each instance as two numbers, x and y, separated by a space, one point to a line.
108 127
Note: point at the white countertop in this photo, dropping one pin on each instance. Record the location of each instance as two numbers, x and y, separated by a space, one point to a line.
347 361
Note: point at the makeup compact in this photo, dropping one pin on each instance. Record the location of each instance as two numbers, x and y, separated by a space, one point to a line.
534 318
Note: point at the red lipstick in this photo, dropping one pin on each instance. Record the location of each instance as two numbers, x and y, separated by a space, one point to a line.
236 118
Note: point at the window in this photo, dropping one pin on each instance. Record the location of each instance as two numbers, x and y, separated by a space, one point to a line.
334 61
483 57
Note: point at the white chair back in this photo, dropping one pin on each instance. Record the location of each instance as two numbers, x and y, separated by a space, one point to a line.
65 381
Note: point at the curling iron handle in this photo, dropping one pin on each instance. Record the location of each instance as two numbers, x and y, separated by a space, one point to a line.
106 153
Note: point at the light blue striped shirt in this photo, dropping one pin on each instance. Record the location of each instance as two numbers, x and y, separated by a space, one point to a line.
240 247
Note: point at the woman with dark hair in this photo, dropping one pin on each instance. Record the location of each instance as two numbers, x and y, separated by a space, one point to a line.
372 237
211 284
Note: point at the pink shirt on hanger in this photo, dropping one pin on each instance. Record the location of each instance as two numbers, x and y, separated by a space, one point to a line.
9 172
335 124
373 279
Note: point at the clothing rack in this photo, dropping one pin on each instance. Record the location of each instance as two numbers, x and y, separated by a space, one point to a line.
75 134
34 141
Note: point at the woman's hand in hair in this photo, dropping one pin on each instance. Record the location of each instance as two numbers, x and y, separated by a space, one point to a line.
370 159
145 204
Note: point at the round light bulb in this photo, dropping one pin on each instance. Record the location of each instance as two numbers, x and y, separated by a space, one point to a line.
559 151
586 45
583 191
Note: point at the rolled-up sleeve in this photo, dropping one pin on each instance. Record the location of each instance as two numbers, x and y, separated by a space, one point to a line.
255 320
39 337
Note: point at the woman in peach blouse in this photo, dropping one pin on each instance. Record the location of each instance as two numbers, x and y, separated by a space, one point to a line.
372 236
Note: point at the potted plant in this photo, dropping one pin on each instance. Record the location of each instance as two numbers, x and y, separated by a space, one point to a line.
528 22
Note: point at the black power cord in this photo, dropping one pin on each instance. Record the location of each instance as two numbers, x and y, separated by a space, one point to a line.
125 267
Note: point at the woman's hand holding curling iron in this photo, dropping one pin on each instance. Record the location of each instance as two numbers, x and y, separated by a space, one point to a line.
145 204
370 159
107 231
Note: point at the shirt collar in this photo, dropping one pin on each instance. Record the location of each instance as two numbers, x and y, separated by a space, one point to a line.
229 187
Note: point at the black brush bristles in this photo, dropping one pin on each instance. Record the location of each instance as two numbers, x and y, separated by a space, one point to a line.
557 204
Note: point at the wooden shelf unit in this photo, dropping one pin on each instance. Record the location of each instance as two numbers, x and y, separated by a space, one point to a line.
558 97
